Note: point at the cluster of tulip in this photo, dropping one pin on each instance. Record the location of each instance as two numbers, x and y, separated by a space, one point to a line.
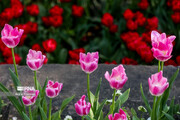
159 87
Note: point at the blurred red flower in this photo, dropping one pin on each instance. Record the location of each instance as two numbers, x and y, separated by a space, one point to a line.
152 23
146 54
128 61
46 21
128 14
178 60
131 25
17 10
33 27
33 9
36 47
23 37
56 10
143 4
176 17
7 14
129 36
9 60
77 11
107 20
134 43
139 18
73 62
113 28
49 45
2 45
56 21
146 37
113 62
176 5
74 54
170 62
7 52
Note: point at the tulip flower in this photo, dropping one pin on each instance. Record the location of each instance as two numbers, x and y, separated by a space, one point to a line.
89 62
35 59
162 46
53 89
30 99
118 77
157 84
81 107
11 37
118 116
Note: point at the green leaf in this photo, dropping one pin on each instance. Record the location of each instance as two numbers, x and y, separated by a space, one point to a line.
0 104
92 97
148 107
43 114
165 95
168 116
16 83
134 114
122 99
43 89
63 54
57 115
97 96
87 117
35 113
15 79
25 116
66 102
171 107
13 99
44 105
99 110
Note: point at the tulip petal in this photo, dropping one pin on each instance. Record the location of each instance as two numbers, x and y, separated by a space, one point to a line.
50 92
172 38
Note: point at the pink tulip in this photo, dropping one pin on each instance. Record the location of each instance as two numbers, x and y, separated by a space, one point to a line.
35 59
30 98
118 77
157 84
89 62
53 89
118 116
11 37
81 107
161 46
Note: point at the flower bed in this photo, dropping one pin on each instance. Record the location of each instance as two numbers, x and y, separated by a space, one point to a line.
75 83
118 29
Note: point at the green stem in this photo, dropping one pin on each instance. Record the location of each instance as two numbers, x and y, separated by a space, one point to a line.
88 88
113 101
159 66
35 80
162 64
157 112
30 114
153 117
82 117
14 61
50 105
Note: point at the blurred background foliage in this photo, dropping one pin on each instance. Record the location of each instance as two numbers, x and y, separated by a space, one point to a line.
118 29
